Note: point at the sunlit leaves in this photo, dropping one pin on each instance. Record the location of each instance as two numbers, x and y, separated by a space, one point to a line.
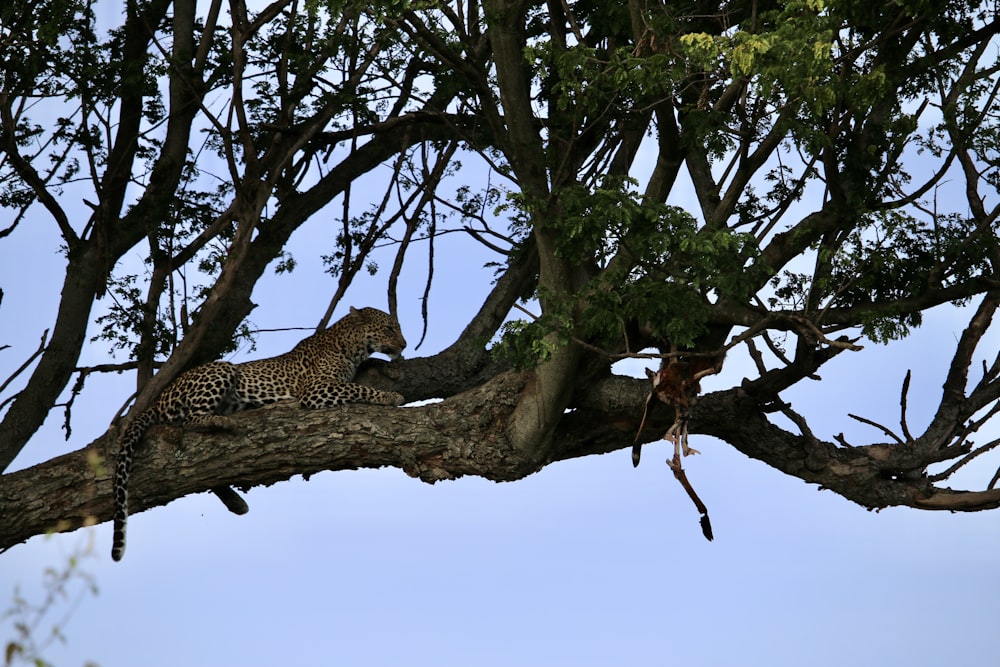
659 267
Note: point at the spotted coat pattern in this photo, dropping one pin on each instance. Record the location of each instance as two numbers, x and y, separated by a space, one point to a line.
317 372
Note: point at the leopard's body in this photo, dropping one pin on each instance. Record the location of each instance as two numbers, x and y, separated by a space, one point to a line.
317 372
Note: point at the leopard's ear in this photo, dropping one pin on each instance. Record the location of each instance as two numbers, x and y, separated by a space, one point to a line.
354 311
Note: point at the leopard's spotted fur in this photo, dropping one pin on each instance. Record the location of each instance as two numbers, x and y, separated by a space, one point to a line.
317 372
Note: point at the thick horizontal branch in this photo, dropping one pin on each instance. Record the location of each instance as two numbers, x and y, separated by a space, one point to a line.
873 476
432 442
957 501
464 435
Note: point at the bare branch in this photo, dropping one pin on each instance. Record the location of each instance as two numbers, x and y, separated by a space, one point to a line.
798 420
960 501
20 369
955 467
430 179
955 406
902 407
8 142
758 358
880 427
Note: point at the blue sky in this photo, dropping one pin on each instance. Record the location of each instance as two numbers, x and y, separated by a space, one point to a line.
588 562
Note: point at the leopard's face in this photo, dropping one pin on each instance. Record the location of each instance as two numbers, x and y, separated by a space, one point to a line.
379 331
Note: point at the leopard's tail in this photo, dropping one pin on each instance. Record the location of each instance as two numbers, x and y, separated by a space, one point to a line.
129 438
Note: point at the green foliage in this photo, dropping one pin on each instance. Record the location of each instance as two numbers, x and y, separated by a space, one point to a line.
36 38
63 590
475 204
189 214
51 52
895 257
890 258
353 242
121 325
286 263
786 59
678 272
658 267
525 344
593 222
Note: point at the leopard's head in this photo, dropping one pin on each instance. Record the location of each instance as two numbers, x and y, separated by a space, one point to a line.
381 331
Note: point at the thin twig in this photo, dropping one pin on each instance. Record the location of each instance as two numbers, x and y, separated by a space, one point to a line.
842 440
952 469
24 366
775 350
821 337
878 426
996 477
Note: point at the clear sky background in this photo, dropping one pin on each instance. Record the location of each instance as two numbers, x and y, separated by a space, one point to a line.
588 562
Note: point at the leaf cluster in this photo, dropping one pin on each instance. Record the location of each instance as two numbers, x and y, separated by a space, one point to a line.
653 264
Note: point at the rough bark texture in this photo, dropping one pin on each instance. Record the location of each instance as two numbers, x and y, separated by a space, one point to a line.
466 435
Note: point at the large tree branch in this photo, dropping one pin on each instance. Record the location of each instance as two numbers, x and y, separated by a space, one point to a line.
874 476
433 442
533 423
957 404
466 435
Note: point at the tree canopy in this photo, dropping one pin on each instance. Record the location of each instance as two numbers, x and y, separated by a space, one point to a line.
690 183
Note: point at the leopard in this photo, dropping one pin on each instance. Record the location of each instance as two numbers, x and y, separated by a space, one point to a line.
317 372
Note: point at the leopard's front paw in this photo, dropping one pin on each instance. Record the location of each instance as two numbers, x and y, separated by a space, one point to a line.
394 398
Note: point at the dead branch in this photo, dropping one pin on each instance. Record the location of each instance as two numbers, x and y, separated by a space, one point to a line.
960 501
842 440
429 179
902 407
804 325
798 420
24 366
880 427
979 451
